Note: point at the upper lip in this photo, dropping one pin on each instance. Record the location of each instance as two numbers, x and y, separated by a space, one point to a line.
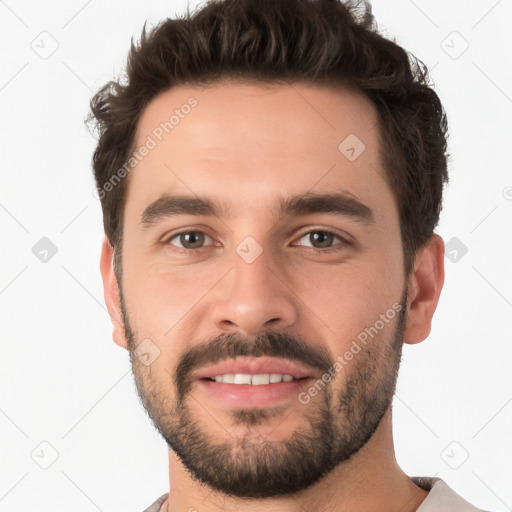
254 366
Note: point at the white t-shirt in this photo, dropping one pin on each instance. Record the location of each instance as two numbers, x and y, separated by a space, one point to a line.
441 498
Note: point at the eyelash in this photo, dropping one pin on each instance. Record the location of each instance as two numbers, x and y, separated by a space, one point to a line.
344 242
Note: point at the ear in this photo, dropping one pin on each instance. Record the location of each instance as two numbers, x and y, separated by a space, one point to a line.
111 293
424 288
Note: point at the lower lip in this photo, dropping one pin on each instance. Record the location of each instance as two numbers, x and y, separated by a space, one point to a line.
243 396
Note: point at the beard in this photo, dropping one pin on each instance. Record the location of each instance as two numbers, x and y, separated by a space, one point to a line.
335 426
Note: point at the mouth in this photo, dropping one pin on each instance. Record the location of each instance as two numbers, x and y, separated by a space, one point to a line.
253 380
249 382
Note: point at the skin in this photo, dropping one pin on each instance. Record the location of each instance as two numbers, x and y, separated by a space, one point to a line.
245 145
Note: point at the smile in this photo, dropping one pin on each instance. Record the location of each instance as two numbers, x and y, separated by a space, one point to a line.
245 382
253 380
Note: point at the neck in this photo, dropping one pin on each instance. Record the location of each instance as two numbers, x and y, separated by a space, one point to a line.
370 480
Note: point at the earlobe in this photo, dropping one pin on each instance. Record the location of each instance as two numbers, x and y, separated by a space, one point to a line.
424 288
111 293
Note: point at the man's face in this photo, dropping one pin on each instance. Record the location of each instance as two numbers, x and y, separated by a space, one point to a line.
259 288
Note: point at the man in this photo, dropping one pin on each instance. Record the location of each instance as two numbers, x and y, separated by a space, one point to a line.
271 174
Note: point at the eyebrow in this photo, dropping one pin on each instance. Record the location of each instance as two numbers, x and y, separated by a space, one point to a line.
342 204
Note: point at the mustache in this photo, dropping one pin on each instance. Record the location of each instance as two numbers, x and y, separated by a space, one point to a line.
231 345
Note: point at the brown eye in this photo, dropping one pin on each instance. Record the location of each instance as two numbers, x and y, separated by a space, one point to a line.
321 239
189 239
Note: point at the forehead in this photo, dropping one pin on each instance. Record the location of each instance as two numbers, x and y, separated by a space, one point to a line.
247 143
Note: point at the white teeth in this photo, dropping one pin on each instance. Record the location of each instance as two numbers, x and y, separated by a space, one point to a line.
255 380
263 378
242 378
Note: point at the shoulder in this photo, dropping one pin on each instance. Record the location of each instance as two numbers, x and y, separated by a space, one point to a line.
442 497
155 507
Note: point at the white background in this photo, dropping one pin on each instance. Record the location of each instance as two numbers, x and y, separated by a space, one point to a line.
63 381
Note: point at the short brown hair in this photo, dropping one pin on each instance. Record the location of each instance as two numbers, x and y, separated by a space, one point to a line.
275 41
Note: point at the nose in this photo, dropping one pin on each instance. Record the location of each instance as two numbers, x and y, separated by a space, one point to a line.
255 297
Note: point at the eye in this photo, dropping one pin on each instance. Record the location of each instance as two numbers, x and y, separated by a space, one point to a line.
189 240
322 239
319 240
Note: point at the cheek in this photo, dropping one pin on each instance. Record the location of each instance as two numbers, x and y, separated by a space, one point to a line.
349 301
339 291
160 296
